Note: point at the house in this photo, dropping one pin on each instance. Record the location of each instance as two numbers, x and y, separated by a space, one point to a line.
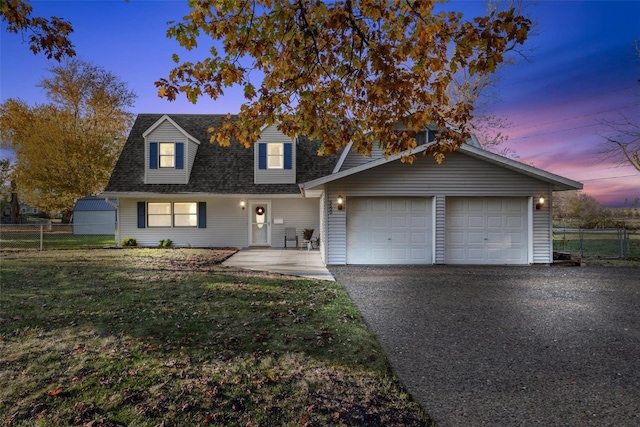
475 208
94 215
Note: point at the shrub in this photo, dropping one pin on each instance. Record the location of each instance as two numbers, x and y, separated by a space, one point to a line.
165 243
129 241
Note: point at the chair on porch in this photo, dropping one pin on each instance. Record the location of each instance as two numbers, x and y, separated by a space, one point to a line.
290 235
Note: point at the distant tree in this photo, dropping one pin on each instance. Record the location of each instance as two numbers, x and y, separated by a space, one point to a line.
5 185
343 71
48 36
66 149
622 141
578 209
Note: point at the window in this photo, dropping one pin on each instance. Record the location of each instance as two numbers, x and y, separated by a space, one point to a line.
167 154
275 155
166 214
185 214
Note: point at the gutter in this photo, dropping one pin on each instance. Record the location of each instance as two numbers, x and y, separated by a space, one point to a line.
110 203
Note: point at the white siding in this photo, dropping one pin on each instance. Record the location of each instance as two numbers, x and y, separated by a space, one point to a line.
166 132
274 176
354 159
336 230
94 222
227 223
458 175
299 213
439 227
226 227
542 230
323 227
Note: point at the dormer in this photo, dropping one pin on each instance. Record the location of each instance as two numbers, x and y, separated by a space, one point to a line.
169 153
274 157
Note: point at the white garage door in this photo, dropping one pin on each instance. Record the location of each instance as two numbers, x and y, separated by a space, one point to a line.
390 230
486 230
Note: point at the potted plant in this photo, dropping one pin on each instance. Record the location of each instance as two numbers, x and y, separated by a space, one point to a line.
307 234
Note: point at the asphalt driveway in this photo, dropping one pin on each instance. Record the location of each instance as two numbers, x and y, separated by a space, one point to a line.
509 346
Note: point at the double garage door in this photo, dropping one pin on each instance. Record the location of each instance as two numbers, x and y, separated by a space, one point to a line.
399 230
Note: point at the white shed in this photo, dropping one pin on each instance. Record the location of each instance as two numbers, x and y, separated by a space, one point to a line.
93 215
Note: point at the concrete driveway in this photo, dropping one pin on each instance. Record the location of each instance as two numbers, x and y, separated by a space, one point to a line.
509 346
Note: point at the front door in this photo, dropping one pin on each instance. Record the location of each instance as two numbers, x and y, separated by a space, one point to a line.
260 223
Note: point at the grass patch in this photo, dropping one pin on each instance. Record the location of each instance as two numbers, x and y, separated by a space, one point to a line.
152 337
597 245
22 241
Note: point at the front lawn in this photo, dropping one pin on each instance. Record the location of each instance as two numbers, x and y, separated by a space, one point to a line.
168 337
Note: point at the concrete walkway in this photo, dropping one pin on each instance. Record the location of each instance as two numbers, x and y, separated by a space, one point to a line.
292 262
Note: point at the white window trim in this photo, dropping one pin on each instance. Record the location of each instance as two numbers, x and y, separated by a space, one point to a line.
279 156
172 156
173 215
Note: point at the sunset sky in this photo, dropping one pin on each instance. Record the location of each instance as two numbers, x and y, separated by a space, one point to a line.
581 68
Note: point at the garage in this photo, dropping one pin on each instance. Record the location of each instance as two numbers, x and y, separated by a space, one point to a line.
489 230
389 230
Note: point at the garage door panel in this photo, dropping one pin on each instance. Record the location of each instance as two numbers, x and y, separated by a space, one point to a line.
495 222
475 222
399 238
515 222
398 230
474 238
399 221
486 231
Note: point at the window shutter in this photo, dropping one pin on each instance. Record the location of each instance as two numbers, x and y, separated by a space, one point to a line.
179 155
262 156
153 155
288 151
142 214
202 214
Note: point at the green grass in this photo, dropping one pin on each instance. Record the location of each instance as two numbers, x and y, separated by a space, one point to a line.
152 337
596 245
22 241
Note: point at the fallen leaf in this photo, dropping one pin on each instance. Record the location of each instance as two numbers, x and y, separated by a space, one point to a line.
55 392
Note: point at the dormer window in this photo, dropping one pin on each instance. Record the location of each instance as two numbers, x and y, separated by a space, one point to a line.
166 155
275 155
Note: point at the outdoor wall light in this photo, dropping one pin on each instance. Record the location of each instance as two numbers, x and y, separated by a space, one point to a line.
243 204
540 202
340 203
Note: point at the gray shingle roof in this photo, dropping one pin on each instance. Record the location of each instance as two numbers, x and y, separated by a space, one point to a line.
217 170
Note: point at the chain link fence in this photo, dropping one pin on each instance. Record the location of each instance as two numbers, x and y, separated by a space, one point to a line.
597 243
46 235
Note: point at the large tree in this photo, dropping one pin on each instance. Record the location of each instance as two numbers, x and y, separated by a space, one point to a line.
48 36
622 140
341 71
67 148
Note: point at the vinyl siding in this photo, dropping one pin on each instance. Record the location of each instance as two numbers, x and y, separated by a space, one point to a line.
354 159
227 224
458 175
299 213
439 228
543 230
323 227
166 132
336 229
274 176
231 232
